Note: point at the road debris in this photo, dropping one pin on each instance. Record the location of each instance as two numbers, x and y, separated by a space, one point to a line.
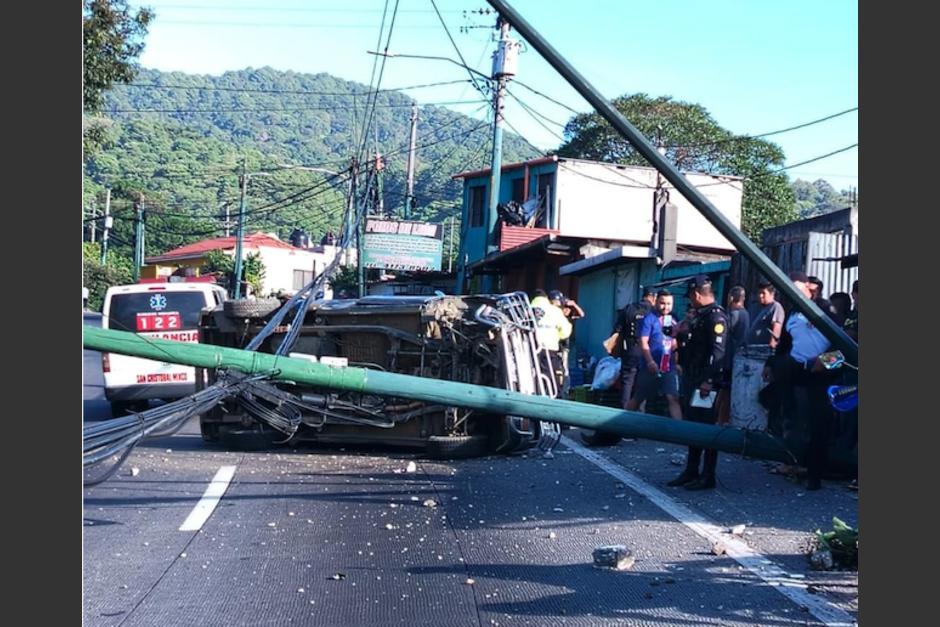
719 548
821 560
135 471
738 530
337 576
430 503
614 557
412 467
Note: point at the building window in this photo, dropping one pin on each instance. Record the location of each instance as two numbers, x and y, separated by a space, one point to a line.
477 196
544 185
301 278
518 190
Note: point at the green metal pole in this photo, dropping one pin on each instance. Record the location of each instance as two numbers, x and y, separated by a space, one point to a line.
240 233
448 393
672 174
138 237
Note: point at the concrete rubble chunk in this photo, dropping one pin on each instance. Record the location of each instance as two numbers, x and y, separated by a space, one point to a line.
821 560
412 467
719 548
738 530
430 503
614 557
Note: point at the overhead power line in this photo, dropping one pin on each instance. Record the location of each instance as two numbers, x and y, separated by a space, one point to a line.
767 134
302 92
275 109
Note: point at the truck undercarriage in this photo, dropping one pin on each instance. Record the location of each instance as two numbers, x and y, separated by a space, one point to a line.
482 339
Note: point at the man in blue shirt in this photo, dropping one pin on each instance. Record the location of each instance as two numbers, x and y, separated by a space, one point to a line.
657 375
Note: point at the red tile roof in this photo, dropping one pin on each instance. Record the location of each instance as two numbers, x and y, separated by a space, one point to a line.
200 248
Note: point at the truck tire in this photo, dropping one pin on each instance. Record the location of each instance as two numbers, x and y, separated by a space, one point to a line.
209 430
599 438
456 446
250 308
247 439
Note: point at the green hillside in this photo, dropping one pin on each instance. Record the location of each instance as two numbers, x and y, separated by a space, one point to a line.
180 139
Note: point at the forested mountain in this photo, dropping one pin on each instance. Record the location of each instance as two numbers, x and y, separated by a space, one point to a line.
180 140
819 197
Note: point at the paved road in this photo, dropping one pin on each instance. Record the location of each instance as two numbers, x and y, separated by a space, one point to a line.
349 537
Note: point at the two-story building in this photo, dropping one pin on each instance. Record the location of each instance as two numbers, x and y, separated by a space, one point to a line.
597 231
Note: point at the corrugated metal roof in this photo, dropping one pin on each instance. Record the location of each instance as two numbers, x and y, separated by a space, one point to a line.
512 236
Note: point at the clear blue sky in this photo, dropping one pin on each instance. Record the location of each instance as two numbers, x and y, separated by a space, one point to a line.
756 65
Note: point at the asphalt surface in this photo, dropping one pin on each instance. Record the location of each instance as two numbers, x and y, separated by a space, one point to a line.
350 537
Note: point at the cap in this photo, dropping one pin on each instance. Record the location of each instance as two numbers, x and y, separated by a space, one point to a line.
798 275
556 295
698 281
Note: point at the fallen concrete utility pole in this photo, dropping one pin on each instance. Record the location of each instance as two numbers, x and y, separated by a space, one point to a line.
672 174
492 400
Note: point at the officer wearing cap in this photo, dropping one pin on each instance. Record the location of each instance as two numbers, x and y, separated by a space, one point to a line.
572 312
704 333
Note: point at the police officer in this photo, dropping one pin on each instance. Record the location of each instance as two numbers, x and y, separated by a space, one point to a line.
628 326
704 334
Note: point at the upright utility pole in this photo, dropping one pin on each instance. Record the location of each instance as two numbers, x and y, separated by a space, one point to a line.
505 60
138 237
350 222
240 232
92 223
108 221
410 197
450 249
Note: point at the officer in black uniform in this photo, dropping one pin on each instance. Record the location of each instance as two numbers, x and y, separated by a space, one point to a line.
704 338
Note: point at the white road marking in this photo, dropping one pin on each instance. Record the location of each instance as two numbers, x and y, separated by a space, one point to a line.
788 586
209 500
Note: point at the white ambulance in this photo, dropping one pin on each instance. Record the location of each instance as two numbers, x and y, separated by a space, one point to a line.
153 308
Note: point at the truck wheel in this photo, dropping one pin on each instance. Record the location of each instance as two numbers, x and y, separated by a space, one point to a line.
247 439
456 446
250 308
599 438
209 430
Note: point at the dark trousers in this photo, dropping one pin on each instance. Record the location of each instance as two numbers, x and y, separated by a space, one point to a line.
703 415
807 397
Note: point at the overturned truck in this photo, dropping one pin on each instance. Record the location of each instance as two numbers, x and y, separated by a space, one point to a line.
485 340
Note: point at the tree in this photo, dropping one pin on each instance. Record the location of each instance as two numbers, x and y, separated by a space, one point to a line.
818 197
345 282
693 141
112 39
222 265
98 277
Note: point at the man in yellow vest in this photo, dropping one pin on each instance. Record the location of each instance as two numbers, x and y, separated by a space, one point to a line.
552 326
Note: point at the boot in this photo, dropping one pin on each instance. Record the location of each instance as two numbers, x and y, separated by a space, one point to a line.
686 477
705 482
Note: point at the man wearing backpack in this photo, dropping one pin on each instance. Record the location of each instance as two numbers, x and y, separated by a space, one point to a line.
627 328
631 354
